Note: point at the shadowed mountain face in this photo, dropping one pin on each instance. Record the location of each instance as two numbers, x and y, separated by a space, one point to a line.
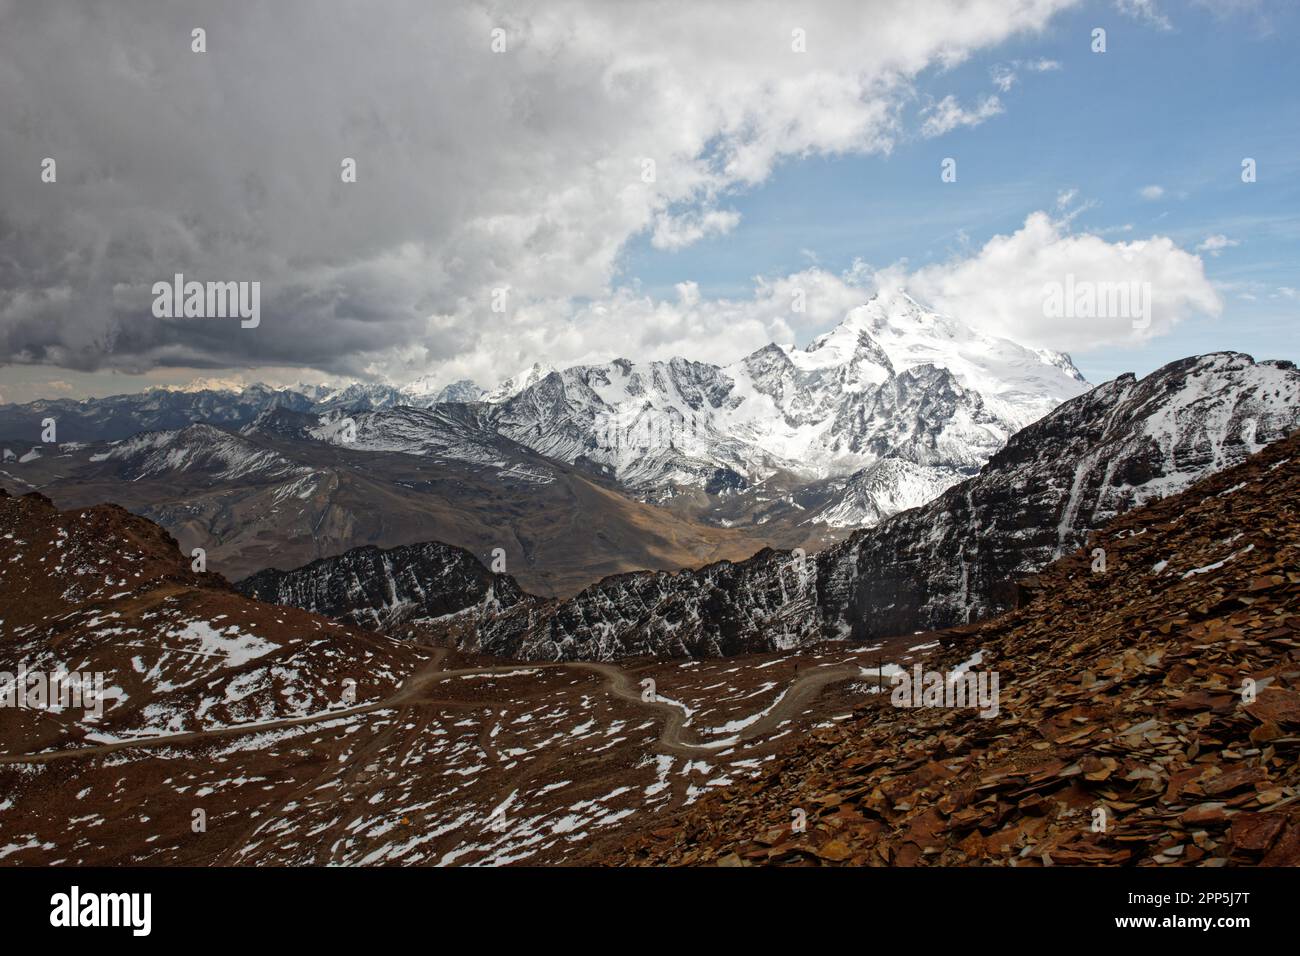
1121 445
384 589
952 561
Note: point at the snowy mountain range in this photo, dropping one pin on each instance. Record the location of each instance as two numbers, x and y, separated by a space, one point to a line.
900 398
962 460
882 413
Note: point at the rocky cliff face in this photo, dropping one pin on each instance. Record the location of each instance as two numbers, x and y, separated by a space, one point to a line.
384 589
1119 446
1163 691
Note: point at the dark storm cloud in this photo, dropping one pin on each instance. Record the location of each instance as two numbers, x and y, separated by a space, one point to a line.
225 165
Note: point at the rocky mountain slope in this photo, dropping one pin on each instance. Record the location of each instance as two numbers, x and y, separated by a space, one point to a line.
1147 713
1120 691
1124 443
237 732
102 591
385 589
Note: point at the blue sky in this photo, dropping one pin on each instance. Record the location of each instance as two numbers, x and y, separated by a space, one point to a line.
1175 107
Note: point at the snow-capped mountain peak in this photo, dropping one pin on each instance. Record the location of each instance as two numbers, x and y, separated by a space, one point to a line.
428 390
517 383
1020 384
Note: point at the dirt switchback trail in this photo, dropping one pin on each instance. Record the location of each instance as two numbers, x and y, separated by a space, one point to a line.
790 704
414 688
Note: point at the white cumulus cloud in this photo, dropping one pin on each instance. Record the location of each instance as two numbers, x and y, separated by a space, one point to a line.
1000 287
948 114
1003 287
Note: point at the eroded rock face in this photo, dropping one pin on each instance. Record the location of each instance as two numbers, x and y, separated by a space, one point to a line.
1194 623
383 589
1121 445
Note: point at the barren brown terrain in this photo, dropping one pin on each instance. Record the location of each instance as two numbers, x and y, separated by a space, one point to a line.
232 738
229 737
268 501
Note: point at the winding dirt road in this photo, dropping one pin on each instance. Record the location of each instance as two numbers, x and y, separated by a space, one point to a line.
417 687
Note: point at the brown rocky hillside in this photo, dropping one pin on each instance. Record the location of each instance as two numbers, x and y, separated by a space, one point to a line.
100 590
